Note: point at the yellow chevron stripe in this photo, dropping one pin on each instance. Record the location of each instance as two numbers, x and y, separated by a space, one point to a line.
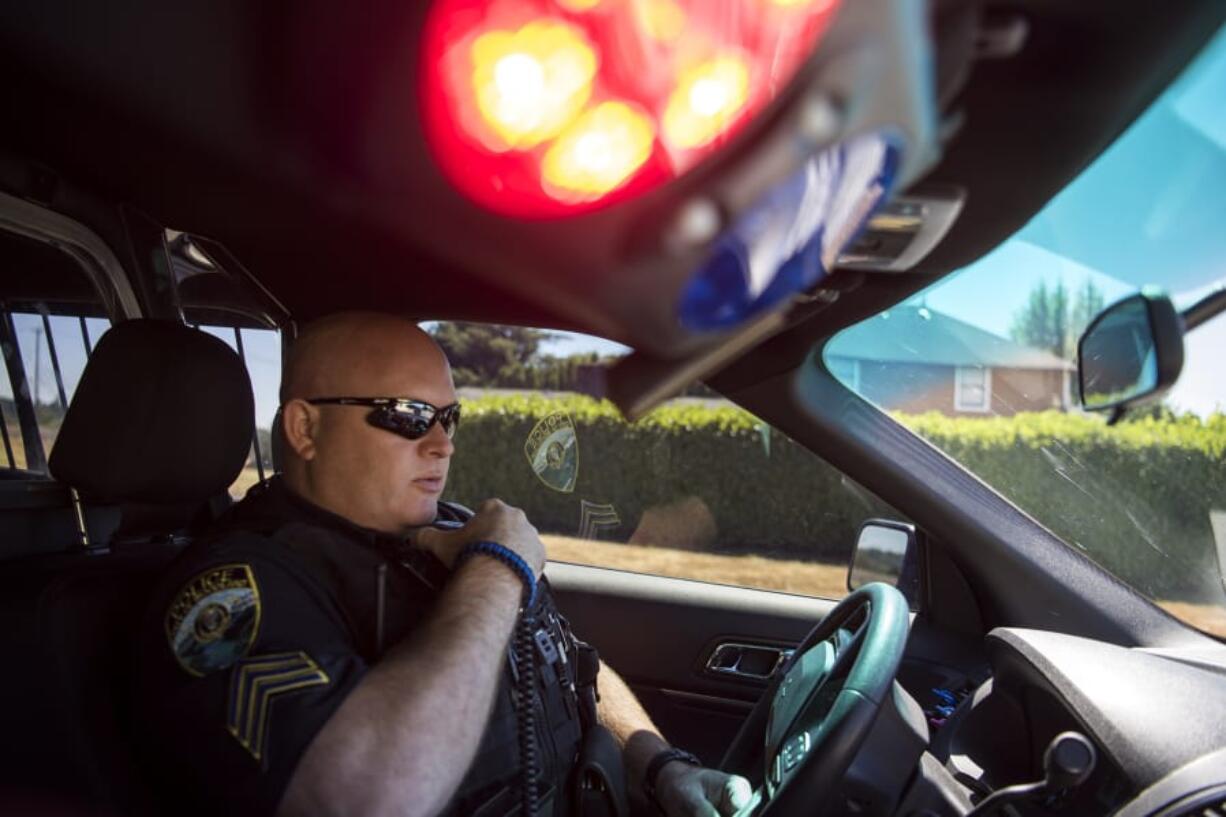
263 662
247 668
259 741
260 694
250 723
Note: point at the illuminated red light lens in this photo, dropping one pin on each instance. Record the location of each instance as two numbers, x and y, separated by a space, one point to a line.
543 108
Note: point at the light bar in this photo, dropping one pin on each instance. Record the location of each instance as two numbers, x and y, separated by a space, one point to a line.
544 108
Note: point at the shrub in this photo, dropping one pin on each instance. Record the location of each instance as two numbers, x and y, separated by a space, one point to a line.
1135 497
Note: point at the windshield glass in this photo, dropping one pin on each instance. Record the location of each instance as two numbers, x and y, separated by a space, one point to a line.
983 364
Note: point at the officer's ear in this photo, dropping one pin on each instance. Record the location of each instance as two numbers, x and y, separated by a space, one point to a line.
300 427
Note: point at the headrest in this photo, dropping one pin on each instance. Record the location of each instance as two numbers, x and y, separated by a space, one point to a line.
163 414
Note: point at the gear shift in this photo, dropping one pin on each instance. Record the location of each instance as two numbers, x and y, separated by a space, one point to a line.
1070 759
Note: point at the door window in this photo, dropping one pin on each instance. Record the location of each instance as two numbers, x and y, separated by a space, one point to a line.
699 489
217 302
51 316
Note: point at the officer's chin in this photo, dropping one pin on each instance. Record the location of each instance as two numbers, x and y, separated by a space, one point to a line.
422 511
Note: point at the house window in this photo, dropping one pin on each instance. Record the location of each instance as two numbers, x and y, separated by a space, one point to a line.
846 370
972 388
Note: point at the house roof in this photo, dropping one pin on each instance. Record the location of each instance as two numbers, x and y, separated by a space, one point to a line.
917 334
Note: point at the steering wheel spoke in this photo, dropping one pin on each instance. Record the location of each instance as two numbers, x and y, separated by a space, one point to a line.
817 712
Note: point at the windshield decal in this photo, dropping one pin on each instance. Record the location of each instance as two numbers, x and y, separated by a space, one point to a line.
595 518
552 450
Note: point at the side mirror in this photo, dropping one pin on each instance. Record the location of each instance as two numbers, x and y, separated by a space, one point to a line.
887 551
1131 353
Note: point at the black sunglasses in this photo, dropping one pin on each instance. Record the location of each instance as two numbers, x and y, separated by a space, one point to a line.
411 419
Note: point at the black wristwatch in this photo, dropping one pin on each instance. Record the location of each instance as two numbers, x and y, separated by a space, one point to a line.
656 764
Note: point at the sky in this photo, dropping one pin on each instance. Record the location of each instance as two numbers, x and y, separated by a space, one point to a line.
1146 212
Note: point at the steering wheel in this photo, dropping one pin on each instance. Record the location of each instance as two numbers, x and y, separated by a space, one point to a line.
802 735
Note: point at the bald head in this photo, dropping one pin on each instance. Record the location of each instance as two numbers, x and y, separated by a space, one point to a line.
333 456
346 353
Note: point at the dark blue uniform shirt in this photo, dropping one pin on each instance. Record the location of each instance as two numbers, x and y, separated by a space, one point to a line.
259 630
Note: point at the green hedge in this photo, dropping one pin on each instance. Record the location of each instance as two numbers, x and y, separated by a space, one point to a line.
1135 496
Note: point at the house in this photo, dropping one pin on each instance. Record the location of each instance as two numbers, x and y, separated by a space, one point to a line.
915 359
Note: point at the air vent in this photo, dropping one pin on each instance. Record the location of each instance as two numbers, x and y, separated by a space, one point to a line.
1206 803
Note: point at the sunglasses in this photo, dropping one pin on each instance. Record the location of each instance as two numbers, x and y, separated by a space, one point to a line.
411 419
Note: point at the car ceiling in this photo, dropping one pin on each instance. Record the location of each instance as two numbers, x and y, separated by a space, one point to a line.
233 121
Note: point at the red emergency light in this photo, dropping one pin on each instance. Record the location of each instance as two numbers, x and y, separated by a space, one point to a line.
547 108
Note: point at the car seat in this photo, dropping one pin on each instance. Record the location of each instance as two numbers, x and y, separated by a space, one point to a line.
160 425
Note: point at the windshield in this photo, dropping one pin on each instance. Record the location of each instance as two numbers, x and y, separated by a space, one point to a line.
983 364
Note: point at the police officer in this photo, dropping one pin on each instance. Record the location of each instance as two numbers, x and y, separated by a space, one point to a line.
320 652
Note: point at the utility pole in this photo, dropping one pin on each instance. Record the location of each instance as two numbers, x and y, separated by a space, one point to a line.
38 363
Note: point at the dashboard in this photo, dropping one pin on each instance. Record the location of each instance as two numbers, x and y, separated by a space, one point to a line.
1156 721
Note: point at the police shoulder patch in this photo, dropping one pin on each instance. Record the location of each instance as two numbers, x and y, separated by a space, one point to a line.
212 621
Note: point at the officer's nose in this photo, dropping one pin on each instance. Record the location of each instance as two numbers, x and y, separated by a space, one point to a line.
436 443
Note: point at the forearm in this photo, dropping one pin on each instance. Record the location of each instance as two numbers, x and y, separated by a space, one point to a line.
620 711
403 739
679 787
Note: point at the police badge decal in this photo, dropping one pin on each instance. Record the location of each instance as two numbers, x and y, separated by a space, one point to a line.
213 620
552 449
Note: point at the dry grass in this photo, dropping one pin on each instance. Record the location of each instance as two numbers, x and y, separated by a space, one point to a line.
1208 617
803 578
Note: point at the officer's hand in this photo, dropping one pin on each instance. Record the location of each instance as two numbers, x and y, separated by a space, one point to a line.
495 521
690 791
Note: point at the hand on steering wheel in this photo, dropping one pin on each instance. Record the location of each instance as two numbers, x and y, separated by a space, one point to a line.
804 732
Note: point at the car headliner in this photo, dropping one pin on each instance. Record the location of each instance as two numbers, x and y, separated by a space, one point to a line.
196 114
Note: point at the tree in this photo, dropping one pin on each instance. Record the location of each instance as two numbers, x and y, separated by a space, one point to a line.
1053 321
1087 303
485 354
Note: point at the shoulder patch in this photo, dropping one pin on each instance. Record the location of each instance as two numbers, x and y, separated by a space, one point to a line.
256 683
213 620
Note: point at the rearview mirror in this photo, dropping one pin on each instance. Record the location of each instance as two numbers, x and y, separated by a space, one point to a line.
887 551
1131 353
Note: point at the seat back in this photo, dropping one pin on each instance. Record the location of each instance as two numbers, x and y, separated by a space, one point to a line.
68 624
161 422
37 516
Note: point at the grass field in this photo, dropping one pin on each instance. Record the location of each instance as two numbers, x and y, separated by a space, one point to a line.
803 578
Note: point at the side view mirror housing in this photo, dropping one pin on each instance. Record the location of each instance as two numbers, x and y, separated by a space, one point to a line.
1131 353
887 551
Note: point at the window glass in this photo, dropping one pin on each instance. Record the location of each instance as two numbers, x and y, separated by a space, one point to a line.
845 369
1145 497
261 354
699 489
972 388
217 302
11 438
51 316
54 349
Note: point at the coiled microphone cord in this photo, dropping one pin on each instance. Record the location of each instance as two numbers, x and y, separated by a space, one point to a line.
525 713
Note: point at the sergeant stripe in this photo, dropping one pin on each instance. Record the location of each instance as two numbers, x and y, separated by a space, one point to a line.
255 683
